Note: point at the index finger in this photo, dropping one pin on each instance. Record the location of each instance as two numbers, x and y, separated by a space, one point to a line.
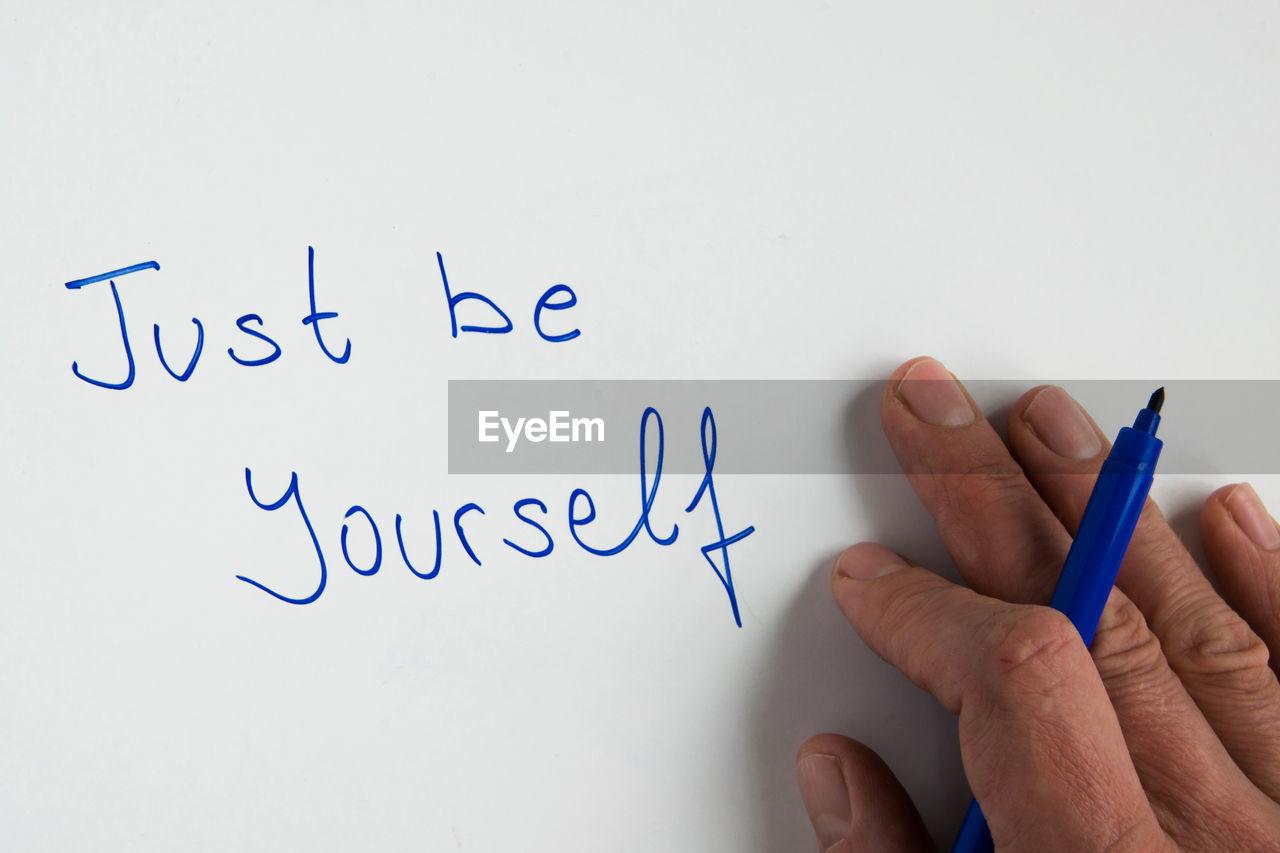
1040 741
1004 539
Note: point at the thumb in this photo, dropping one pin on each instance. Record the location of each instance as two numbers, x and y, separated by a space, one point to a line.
854 801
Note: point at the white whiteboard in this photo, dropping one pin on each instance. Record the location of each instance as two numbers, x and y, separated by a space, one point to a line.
731 191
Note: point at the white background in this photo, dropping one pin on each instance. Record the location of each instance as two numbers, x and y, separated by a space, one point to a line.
789 190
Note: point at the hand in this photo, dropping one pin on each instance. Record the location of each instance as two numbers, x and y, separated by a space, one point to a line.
1164 736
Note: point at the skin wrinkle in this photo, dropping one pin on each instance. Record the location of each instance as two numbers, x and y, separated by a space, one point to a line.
1225 823
1165 764
1036 650
1249 583
1248 830
1136 836
1214 644
1067 512
1084 784
1201 814
1253 691
1216 634
1271 585
984 746
920 598
1022 572
1271 588
1154 543
1043 661
1078 777
1135 671
1124 649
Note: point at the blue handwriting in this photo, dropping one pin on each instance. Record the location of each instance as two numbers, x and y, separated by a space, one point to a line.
558 297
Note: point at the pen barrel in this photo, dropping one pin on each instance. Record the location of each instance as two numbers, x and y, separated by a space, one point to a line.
1105 530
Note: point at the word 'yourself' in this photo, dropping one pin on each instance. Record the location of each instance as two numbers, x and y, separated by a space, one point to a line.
581 512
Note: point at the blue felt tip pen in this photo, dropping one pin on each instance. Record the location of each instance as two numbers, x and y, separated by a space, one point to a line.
1094 559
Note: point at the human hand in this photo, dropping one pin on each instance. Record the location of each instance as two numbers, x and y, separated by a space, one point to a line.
1165 735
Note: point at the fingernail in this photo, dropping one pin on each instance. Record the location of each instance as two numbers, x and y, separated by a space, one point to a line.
933 395
859 566
1061 425
826 798
1251 516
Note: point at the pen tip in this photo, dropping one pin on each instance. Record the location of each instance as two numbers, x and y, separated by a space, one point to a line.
1157 400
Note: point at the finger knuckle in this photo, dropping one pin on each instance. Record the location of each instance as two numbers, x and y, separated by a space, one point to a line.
914 604
1125 650
1036 649
981 484
1215 644
1139 833
972 497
